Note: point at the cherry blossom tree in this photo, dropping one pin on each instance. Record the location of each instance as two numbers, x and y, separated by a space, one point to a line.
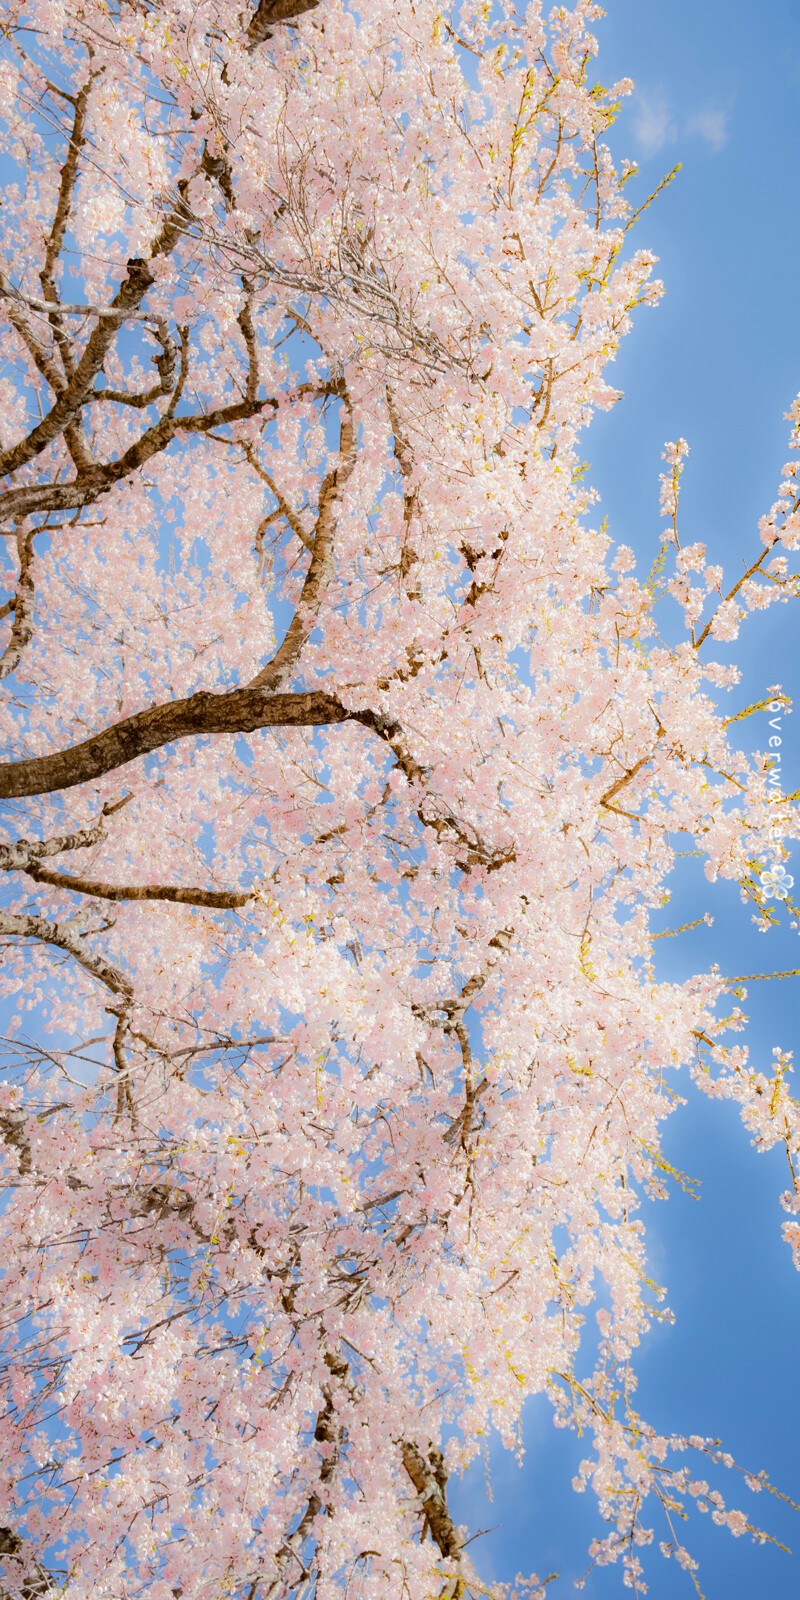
344 764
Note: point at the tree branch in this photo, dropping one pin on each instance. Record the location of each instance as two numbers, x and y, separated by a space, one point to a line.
269 13
428 1480
731 593
69 176
216 899
283 505
65 936
138 279
239 711
327 1431
27 856
22 630
621 783
89 485
320 568
36 1582
167 367
18 856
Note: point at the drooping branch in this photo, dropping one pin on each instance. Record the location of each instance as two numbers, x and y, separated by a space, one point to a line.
424 1466
65 936
28 856
428 1476
176 894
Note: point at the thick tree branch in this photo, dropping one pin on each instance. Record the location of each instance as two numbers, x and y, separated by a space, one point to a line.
269 13
215 899
428 1480
22 629
239 711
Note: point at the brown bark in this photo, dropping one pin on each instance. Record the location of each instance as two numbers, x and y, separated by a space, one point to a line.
65 936
320 569
239 711
22 630
177 894
32 1579
426 1477
269 13
73 395
28 856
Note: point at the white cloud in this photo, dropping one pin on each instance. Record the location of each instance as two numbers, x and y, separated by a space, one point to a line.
654 126
711 125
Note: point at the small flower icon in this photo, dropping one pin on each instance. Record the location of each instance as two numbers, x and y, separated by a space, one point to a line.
776 884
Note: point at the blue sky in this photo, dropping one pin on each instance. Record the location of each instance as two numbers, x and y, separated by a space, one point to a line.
718 89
